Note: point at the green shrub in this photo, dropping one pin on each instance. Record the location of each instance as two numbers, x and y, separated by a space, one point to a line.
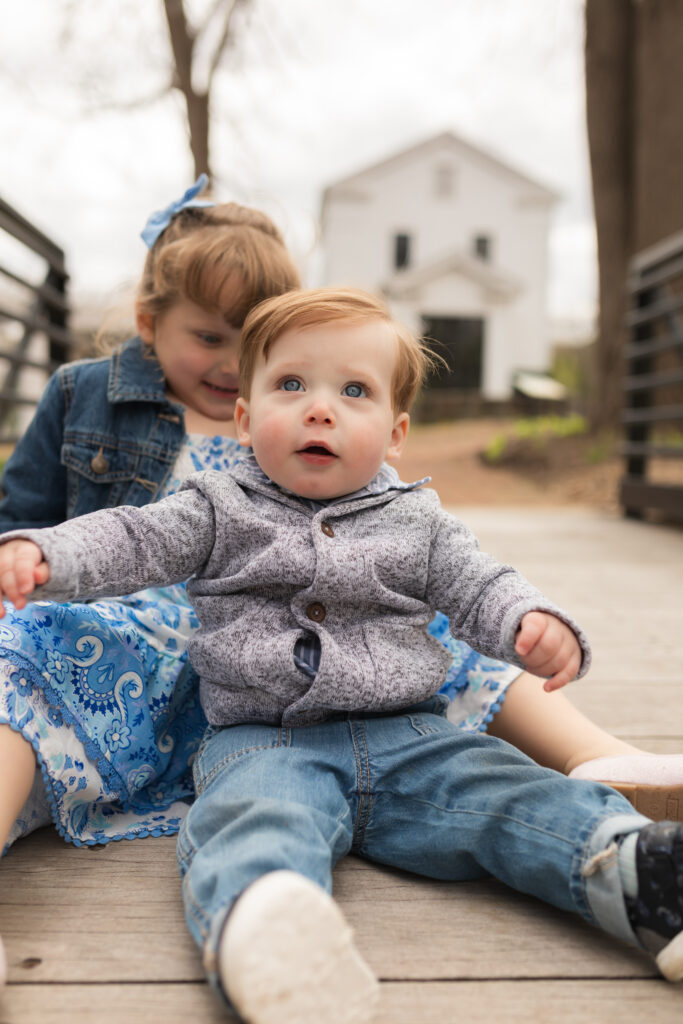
495 449
538 430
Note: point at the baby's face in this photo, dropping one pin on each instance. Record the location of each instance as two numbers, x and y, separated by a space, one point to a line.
319 417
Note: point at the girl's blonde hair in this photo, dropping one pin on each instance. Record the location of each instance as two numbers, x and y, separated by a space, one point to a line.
226 258
317 306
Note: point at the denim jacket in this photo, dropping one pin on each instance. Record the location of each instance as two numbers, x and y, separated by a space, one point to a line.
104 434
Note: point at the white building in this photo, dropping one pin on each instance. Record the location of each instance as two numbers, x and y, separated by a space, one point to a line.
457 242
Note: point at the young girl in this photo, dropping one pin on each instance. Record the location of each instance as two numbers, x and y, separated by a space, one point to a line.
99 716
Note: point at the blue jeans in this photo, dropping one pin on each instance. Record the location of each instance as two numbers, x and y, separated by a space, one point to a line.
412 791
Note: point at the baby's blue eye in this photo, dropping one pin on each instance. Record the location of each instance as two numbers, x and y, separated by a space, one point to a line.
354 391
211 339
291 384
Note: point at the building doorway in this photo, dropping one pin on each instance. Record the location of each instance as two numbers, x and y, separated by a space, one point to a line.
460 341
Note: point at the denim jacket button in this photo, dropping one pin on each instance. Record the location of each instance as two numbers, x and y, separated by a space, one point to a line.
316 612
98 463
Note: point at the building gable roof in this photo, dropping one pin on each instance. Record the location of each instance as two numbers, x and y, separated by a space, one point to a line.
443 142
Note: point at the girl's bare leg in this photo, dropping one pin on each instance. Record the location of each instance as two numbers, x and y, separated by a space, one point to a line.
17 771
549 729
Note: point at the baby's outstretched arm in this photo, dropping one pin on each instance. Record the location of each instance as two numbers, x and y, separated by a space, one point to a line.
22 569
549 648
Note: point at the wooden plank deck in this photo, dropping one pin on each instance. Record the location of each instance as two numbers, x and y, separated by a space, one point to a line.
97 936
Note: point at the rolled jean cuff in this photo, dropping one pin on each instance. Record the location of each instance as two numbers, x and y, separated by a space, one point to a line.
603 889
210 955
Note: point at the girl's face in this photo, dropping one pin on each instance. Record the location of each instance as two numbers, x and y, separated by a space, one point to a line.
199 354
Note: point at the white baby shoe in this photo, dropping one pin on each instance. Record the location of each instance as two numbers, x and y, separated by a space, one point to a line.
287 957
652 782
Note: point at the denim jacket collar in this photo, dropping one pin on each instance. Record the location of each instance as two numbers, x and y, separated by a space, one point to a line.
135 375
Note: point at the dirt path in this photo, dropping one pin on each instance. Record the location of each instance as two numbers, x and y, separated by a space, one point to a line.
449 453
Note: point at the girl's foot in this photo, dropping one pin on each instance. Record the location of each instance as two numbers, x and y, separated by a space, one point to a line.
652 782
287 957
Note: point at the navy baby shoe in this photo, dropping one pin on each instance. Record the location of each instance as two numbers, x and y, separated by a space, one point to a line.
656 913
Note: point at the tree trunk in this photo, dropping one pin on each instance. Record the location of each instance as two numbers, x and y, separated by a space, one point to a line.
610 118
199 125
197 104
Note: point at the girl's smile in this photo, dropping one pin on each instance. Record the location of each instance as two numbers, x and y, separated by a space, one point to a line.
199 353
228 392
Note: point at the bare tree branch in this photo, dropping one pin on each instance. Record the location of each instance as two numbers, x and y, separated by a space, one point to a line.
70 18
225 37
213 11
132 104
196 50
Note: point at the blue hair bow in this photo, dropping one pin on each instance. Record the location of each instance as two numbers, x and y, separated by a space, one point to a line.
160 219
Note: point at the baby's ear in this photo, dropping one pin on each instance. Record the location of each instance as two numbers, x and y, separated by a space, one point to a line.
145 325
399 435
242 422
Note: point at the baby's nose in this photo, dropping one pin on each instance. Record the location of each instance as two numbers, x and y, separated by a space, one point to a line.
320 411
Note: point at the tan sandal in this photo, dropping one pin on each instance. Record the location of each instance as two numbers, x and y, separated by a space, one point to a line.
653 783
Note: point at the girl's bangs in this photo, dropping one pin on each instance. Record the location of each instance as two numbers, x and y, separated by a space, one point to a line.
231 275
210 276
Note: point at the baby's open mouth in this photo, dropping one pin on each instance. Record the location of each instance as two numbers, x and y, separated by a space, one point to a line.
316 449
317 452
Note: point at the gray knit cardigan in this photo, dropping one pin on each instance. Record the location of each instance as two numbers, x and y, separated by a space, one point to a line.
365 574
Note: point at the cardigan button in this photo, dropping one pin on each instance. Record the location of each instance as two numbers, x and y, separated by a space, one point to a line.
327 529
98 463
316 612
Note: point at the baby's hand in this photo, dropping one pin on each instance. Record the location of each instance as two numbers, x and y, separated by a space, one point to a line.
548 648
22 569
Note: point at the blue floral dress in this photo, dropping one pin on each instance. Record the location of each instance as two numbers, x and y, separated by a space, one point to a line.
106 696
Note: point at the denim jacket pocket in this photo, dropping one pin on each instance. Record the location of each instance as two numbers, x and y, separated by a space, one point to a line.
100 463
97 475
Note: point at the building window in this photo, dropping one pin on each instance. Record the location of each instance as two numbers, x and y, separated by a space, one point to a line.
401 251
482 248
444 181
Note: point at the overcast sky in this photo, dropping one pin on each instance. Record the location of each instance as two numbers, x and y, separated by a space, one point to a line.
320 89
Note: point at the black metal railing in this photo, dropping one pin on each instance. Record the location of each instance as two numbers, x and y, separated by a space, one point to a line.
39 308
653 413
